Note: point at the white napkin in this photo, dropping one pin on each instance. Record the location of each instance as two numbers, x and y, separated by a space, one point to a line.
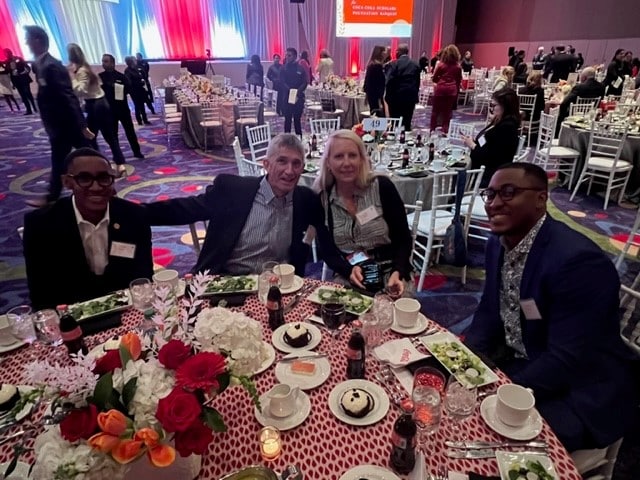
398 353
420 470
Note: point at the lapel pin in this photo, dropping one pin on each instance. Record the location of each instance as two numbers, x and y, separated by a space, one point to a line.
116 226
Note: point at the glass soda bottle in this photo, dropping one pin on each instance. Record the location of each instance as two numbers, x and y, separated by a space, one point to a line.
356 355
403 443
70 331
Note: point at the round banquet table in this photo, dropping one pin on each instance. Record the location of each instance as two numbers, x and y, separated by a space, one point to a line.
352 105
323 447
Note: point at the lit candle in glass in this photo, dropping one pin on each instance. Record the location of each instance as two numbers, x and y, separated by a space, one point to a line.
270 444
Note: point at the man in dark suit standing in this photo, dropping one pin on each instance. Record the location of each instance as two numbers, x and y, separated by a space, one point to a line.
86 245
402 86
549 316
116 87
143 68
253 220
59 109
561 64
293 79
588 87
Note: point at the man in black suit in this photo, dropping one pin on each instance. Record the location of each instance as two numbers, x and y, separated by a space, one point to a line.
402 86
561 65
101 242
116 87
293 77
256 219
588 87
143 68
59 109
539 59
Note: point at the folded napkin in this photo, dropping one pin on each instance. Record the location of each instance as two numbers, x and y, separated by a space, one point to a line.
477 476
398 353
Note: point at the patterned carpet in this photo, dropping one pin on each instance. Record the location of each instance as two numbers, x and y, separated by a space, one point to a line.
24 163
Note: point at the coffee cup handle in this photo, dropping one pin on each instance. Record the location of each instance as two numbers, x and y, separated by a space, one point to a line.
530 390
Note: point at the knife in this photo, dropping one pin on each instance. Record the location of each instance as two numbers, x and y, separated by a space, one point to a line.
11 437
303 357
486 453
477 445
305 289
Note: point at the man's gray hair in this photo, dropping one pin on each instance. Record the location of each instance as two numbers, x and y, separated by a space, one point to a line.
403 49
285 140
588 73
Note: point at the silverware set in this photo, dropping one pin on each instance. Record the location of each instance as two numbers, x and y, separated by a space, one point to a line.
479 449
387 379
298 296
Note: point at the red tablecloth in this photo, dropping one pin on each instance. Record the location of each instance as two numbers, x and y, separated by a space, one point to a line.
322 446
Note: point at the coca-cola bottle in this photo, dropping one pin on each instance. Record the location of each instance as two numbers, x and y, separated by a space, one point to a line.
432 152
274 306
314 143
418 140
356 355
403 444
402 136
70 331
405 158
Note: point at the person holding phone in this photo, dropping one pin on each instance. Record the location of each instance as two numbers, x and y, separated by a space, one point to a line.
365 215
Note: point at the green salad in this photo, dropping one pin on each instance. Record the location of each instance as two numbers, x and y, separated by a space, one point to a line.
99 305
464 365
231 284
353 301
529 470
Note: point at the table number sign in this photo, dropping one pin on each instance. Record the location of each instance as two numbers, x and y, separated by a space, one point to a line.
377 124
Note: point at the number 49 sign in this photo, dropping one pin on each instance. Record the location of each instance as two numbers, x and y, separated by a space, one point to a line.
373 123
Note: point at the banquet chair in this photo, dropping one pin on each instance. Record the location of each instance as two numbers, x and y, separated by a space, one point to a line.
554 158
630 241
581 110
415 211
433 223
482 95
247 114
198 235
172 120
324 126
328 105
423 103
527 105
630 317
457 131
467 93
603 164
246 167
312 105
270 102
258 138
595 101
522 152
393 124
597 463
210 119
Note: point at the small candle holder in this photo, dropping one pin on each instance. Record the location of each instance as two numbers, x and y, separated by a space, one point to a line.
270 443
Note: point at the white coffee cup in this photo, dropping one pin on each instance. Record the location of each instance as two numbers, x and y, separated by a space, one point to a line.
406 312
514 404
437 164
167 278
6 338
282 400
287 273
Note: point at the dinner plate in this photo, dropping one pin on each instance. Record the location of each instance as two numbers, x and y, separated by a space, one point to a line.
528 431
21 471
296 285
305 382
419 327
380 402
271 357
220 281
123 294
23 413
277 338
506 461
12 346
354 302
299 415
370 472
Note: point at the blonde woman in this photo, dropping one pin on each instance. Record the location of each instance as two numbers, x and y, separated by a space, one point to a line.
325 66
364 213
505 79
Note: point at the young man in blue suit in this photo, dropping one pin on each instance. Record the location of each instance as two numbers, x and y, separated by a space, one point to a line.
549 314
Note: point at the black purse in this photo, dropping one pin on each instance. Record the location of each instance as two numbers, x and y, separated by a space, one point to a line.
454 250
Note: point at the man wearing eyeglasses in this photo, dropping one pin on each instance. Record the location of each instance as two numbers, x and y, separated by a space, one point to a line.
548 315
86 245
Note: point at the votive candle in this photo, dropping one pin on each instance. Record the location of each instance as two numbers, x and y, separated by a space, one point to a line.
270 443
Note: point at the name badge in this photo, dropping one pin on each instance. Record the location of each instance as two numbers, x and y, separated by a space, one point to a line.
482 141
121 249
366 215
617 83
293 95
530 309
118 91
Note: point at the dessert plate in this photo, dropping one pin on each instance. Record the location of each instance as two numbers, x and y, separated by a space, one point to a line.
370 472
300 414
277 338
305 382
380 402
12 346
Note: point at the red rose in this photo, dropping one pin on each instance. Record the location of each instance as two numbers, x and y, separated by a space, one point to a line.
201 371
80 424
195 439
173 354
108 362
178 410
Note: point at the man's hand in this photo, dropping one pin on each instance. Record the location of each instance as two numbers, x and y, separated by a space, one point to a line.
356 276
395 286
468 141
88 134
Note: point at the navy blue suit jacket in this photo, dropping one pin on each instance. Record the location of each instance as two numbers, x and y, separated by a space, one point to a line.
576 356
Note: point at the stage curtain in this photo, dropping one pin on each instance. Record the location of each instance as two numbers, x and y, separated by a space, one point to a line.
183 27
227 32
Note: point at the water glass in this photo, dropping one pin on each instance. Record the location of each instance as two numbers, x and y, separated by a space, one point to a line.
142 293
371 331
383 310
21 323
427 413
459 402
332 315
268 275
47 325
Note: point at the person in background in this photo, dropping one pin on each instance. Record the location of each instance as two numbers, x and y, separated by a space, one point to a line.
423 62
562 63
539 59
574 57
21 80
113 80
588 87
273 74
534 87
635 67
386 63
515 59
521 73
102 242
138 91
255 75
325 66
86 86
305 63
497 143
348 190
446 80
626 63
543 319
293 76
547 63
504 80
402 86
579 61
6 88
434 60
374 81
59 108
467 62
143 67
614 79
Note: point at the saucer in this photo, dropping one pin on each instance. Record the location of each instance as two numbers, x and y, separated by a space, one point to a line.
419 327
372 472
528 431
300 414
12 346
296 285
277 338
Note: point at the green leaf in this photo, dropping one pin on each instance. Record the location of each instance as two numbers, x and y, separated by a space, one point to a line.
213 419
250 387
103 391
129 391
125 356
223 380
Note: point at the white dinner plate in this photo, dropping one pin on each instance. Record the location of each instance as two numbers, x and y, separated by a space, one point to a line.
370 472
124 294
354 302
507 459
297 284
380 402
98 351
300 414
277 338
305 382
528 431
23 413
20 473
267 361
419 327
12 346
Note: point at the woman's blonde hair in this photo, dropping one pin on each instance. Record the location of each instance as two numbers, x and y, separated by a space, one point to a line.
535 78
325 179
450 55
76 55
508 72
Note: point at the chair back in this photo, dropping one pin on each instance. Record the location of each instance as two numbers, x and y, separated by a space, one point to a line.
424 94
416 209
606 140
210 112
324 126
546 133
458 130
595 101
258 138
527 103
327 102
555 111
393 124
471 193
521 152
239 156
581 109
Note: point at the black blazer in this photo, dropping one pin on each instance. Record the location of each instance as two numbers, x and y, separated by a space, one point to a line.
59 107
58 272
226 206
562 64
590 88
374 85
501 144
109 80
403 81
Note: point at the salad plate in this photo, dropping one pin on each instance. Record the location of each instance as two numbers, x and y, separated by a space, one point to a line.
515 465
354 302
232 284
111 303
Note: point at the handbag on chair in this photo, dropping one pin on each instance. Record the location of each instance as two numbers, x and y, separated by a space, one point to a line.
454 249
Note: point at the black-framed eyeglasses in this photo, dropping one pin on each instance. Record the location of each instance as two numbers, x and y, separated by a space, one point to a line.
85 180
492 105
506 193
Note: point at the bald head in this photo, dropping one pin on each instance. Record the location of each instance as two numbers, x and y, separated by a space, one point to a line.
587 73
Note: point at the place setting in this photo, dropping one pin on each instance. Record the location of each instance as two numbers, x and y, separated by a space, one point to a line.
283 407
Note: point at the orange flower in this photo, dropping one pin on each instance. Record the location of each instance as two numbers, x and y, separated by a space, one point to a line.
103 442
148 436
162 455
131 342
127 451
112 422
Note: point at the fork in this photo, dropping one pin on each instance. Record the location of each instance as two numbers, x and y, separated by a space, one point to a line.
443 473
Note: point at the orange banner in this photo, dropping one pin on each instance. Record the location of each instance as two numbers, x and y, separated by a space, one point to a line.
378 11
